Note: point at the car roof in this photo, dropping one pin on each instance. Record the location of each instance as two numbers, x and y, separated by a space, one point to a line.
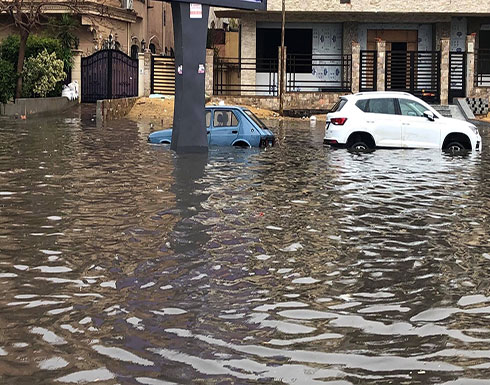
224 107
380 94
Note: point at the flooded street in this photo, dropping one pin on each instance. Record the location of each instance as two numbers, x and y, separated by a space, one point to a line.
123 263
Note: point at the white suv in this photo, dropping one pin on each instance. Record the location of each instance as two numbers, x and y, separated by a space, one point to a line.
369 120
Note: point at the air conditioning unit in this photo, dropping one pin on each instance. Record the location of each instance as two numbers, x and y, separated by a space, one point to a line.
127 4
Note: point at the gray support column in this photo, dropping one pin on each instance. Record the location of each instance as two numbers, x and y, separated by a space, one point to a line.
76 71
356 62
444 81
189 126
470 65
381 64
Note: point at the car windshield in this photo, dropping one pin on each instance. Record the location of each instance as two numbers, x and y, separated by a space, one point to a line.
259 122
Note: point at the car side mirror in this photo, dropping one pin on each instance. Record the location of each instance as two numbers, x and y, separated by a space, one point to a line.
429 115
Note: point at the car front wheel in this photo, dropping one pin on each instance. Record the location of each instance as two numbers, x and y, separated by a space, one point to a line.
454 147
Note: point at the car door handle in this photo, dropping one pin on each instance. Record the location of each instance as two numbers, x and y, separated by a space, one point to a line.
208 132
405 124
369 121
234 132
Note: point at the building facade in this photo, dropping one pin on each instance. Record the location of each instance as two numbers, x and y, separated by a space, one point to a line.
128 25
339 45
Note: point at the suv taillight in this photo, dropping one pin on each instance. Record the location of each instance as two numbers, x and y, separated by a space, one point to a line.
338 121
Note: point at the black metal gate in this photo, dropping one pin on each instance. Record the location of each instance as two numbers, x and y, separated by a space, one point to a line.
457 75
109 74
417 72
368 71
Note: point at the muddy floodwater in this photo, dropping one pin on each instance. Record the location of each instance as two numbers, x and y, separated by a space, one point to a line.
124 263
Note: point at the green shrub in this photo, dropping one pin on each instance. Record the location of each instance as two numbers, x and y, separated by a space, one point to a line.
41 74
9 49
36 44
8 80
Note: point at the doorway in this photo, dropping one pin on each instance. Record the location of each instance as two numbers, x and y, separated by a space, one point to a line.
393 36
399 65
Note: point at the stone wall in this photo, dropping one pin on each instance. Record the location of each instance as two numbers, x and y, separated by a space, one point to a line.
35 106
311 101
111 109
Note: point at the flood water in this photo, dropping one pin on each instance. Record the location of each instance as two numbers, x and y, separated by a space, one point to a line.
123 263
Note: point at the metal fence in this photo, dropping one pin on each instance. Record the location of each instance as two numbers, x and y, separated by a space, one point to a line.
482 68
417 72
457 75
162 75
368 71
318 73
245 76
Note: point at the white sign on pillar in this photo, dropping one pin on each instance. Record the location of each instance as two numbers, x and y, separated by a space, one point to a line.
195 11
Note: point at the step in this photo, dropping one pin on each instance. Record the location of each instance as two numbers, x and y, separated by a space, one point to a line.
444 110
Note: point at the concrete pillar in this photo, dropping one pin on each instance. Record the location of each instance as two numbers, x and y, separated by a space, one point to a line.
381 64
76 71
248 50
356 62
350 33
147 73
470 65
141 74
444 81
209 82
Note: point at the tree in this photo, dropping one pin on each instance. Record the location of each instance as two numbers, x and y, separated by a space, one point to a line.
27 15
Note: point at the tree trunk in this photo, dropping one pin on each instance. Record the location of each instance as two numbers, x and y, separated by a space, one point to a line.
20 62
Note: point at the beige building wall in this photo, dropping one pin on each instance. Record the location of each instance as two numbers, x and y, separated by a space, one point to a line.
379 6
160 26
150 19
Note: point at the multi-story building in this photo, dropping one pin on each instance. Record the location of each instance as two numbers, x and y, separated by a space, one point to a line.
129 25
347 45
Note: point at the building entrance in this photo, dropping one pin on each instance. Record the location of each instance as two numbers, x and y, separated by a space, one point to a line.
393 37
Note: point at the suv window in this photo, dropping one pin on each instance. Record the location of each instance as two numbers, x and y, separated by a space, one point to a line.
381 106
223 118
338 106
363 104
411 108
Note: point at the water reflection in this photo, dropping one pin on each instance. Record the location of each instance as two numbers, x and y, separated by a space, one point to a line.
125 263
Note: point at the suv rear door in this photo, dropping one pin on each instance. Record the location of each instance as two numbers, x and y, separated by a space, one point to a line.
382 121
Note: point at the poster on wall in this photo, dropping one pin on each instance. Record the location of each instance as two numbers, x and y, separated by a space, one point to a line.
458 34
327 40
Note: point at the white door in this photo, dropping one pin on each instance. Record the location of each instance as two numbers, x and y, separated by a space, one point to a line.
417 130
383 123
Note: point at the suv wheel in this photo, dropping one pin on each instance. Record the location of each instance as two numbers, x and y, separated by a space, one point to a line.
454 147
359 146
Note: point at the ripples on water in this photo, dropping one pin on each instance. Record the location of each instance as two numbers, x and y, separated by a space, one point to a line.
121 262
